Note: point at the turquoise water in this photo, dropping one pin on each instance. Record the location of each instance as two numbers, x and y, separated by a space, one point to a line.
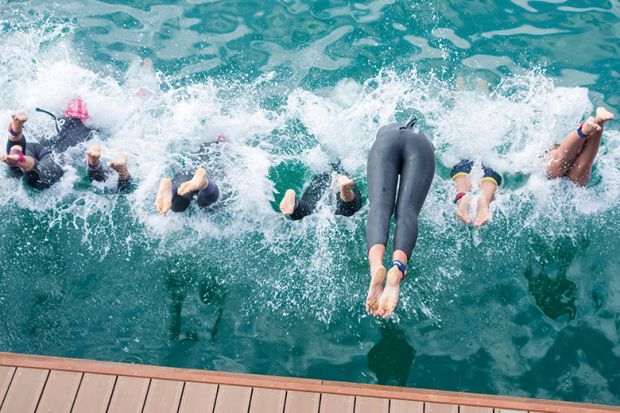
527 306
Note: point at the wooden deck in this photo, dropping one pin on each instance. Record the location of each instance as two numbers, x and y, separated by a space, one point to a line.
31 384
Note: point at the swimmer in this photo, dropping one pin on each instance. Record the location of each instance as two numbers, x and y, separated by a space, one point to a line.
349 199
397 152
177 194
98 172
489 184
37 161
575 156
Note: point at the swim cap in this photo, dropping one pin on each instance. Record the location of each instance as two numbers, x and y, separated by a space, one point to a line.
76 108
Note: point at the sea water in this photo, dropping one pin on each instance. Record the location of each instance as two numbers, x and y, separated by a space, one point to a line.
528 305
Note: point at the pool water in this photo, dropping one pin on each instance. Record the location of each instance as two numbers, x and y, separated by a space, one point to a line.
527 306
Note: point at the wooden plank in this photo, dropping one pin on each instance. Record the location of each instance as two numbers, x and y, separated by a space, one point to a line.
509 411
336 403
267 401
6 375
164 396
302 402
129 395
233 399
440 408
25 390
406 406
475 409
305 385
198 397
59 393
94 393
371 405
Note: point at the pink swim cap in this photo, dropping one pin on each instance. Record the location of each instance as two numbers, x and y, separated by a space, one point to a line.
76 108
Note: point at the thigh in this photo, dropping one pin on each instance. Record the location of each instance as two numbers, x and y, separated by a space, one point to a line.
417 172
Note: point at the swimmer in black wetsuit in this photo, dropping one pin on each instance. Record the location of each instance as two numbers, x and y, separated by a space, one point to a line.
489 184
98 172
397 152
178 193
349 199
36 161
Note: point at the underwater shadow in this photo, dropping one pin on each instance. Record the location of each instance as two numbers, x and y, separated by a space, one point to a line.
392 357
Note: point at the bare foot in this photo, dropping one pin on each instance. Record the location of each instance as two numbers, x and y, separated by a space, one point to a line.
375 290
93 155
603 115
163 201
10 160
483 214
590 126
345 185
389 298
287 205
462 208
120 166
198 182
17 123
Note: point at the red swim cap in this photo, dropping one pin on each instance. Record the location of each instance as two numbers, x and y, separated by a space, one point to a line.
76 108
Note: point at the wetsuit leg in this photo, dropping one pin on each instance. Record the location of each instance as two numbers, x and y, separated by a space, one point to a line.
209 195
181 203
416 175
382 168
99 174
491 176
349 208
14 170
311 196
46 171
124 185
461 168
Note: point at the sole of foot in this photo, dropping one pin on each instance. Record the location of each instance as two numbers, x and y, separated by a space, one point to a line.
483 214
389 298
462 209
287 205
163 201
199 181
375 289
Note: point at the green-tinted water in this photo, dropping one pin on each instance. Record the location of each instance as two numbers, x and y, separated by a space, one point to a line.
528 306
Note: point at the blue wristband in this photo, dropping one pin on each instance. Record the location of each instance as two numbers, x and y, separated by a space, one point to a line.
580 132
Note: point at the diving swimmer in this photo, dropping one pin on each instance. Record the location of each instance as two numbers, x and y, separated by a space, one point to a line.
36 161
349 199
575 156
491 180
98 172
396 152
178 193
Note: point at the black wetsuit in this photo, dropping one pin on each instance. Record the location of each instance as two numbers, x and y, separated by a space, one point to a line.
47 171
207 154
316 190
398 151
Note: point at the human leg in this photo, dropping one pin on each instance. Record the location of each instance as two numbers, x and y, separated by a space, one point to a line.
45 171
581 170
349 199
416 177
296 208
382 169
460 175
209 195
490 182
561 159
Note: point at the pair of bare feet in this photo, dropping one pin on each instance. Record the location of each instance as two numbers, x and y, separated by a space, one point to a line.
163 200
483 212
595 123
383 294
93 158
345 186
